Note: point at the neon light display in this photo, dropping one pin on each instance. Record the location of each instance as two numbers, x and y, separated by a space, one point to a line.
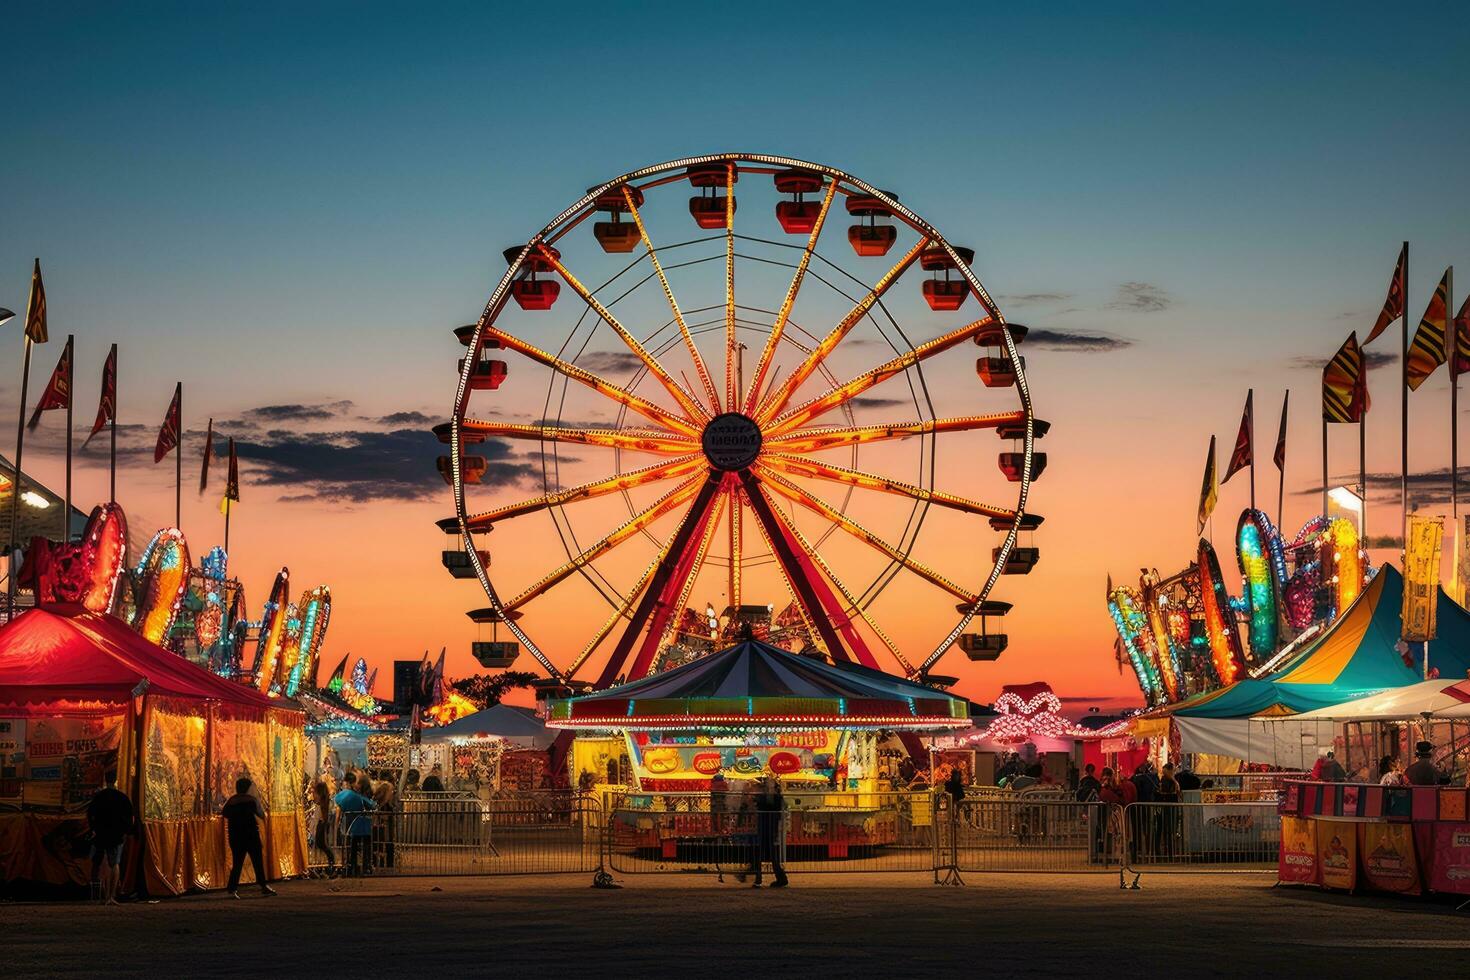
1020 720
1263 563
1343 555
314 609
1156 604
272 633
163 578
1220 628
1126 607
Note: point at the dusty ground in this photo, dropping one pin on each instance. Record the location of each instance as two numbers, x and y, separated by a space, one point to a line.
824 926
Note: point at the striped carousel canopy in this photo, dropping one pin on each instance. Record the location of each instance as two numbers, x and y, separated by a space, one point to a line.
754 684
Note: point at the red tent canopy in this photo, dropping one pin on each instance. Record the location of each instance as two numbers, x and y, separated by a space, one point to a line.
63 653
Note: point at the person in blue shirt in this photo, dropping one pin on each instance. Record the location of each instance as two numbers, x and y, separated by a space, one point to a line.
357 825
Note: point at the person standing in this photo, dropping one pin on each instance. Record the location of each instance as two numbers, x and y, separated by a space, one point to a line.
325 831
1168 824
770 807
353 808
385 833
1390 773
1422 772
434 781
110 818
242 813
719 792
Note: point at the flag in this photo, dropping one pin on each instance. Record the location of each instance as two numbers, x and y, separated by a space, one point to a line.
1344 389
36 308
208 452
107 404
1279 457
1428 349
58 389
168 435
1461 362
1244 454
232 482
1210 491
1393 306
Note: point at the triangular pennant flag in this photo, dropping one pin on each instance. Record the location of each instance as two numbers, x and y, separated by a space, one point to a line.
36 307
168 434
1210 491
58 389
1344 392
1393 306
208 452
107 404
1244 454
1428 349
1279 457
1461 362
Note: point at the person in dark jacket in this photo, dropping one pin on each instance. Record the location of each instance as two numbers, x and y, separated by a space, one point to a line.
242 813
1422 772
110 818
1088 788
434 782
770 806
1143 818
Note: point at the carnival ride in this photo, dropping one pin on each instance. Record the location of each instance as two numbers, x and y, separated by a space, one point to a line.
694 441
1185 634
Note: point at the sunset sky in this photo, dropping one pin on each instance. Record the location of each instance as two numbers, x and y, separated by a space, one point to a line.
289 211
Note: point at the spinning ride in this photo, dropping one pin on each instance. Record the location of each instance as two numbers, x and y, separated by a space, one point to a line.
773 491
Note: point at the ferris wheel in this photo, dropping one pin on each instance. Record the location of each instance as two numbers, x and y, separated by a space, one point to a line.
713 426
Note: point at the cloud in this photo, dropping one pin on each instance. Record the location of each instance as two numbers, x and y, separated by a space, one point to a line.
1373 359
400 419
873 401
298 413
610 362
1428 488
1069 340
1140 297
1056 297
356 466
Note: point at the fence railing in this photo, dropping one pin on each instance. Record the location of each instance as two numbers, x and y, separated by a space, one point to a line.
923 831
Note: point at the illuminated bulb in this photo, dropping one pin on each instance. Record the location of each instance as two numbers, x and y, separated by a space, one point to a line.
35 500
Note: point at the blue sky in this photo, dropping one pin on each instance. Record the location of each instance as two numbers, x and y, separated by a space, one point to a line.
288 204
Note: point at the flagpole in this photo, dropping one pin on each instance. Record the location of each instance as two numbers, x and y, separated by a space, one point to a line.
1281 470
15 491
1324 464
112 452
1363 478
71 364
1250 421
179 460
1404 397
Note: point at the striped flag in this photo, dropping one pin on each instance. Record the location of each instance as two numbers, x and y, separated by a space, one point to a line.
208 452
1344 389
58 389
1461 362
1428 349
107 404
36 308
1393 305
1209 492
168 434
1244 454
1279 457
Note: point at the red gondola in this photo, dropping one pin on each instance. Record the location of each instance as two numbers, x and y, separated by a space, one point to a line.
1017 430
989 336
471 468
996 372
1014 464
870 238
708 207
616 237
798 216
535 294
487 375
945 295
983 646
708 212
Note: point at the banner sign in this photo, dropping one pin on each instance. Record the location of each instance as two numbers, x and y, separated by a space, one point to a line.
1298 861
1422 541
1449 870
1388 857
1337 854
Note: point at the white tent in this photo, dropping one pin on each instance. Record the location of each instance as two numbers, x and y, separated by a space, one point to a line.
1284 742
1437 698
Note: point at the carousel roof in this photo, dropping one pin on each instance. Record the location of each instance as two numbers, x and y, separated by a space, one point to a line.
755 684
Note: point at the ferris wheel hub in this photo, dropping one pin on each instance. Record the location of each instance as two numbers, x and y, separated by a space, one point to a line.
731 441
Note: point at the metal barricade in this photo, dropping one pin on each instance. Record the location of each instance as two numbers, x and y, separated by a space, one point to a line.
1223 837
548 833
1027 833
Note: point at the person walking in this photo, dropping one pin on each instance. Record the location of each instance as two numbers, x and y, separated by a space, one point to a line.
110 819
353 808
325 831
1422 772
770 807
242 813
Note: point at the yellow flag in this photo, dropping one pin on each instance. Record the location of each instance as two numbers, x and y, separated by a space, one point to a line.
1210 491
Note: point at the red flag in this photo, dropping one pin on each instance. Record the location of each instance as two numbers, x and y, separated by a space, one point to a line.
1460 363
58 389
1393 305
208 452
1244 454
107 404
36 307
168 435
1279 457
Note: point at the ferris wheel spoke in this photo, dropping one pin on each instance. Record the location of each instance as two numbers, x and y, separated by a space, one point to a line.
832 437
842 590
777 400
635 524
792 466
773 341
701 555
635 440
620 612
807 616
823 610
692 409
842 394
813 503
737 545
479 523
732 354
617 393
699 365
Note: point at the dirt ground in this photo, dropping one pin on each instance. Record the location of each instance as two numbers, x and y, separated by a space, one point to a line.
823 926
